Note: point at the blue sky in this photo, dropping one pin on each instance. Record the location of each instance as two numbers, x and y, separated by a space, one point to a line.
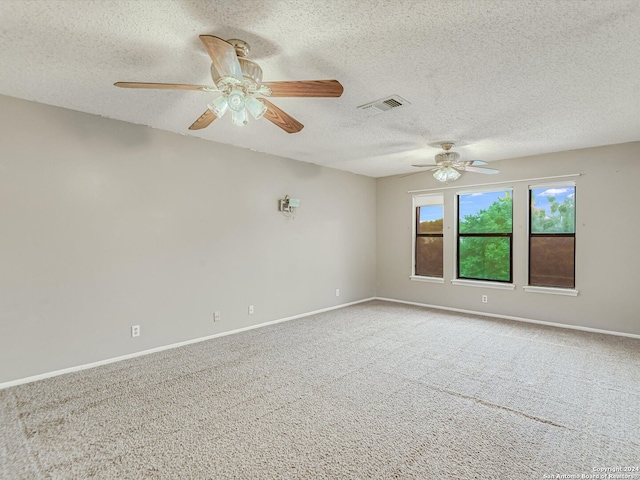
472 203
430 213
560 193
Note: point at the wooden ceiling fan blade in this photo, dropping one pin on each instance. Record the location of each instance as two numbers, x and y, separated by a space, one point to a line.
280 118
487 171
166 86
305 88
204 121
223 55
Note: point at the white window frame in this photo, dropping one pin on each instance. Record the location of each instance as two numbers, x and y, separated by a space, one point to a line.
571 292
423 200
479 283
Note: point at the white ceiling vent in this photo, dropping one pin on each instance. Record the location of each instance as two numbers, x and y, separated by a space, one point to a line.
380 106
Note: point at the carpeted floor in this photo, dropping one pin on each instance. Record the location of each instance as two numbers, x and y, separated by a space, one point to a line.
375 390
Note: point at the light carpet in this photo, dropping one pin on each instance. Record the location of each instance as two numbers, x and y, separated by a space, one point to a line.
374 390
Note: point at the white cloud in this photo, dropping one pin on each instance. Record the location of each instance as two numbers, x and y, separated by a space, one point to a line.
553 191
571 195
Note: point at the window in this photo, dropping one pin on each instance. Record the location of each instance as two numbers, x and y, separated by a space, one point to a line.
552 237
485 236
429 217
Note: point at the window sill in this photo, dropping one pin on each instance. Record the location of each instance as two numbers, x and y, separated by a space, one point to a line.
418 278
484 284
551 290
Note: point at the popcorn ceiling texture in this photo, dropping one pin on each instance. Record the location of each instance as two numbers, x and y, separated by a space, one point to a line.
375 390
503 79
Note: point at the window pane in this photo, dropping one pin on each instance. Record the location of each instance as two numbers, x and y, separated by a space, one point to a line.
430 219
551 262
429 256
487 212
553 210
485 258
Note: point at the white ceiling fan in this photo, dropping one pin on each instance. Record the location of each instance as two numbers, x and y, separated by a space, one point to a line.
448 165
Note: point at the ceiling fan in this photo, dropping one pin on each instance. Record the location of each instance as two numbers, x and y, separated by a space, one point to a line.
239 81
448 165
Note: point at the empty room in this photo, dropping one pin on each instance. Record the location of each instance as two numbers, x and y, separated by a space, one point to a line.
295 239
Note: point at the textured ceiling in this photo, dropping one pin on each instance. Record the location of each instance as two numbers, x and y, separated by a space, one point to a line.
501 78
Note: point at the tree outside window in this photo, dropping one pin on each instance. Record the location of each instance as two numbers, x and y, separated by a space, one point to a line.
429 241
552 223
485 230
428 235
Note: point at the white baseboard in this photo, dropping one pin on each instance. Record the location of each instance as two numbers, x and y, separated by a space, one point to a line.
517 319
107 361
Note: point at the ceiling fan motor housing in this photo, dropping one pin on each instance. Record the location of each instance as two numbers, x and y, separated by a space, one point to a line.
251 72
447 157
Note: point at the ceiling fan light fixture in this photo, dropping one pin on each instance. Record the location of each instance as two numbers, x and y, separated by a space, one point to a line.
256 108
219 106
239 118
446 174
236 100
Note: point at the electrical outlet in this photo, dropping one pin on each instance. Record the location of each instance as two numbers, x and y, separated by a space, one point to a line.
250 309
135 330
337 292
216 316
484 299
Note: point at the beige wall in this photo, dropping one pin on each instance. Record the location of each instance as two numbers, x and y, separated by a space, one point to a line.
607 239
105 225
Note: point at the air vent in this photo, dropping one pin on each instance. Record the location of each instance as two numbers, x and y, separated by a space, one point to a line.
380 106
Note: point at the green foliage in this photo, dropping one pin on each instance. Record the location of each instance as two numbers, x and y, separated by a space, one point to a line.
495 219
487 258
561 219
